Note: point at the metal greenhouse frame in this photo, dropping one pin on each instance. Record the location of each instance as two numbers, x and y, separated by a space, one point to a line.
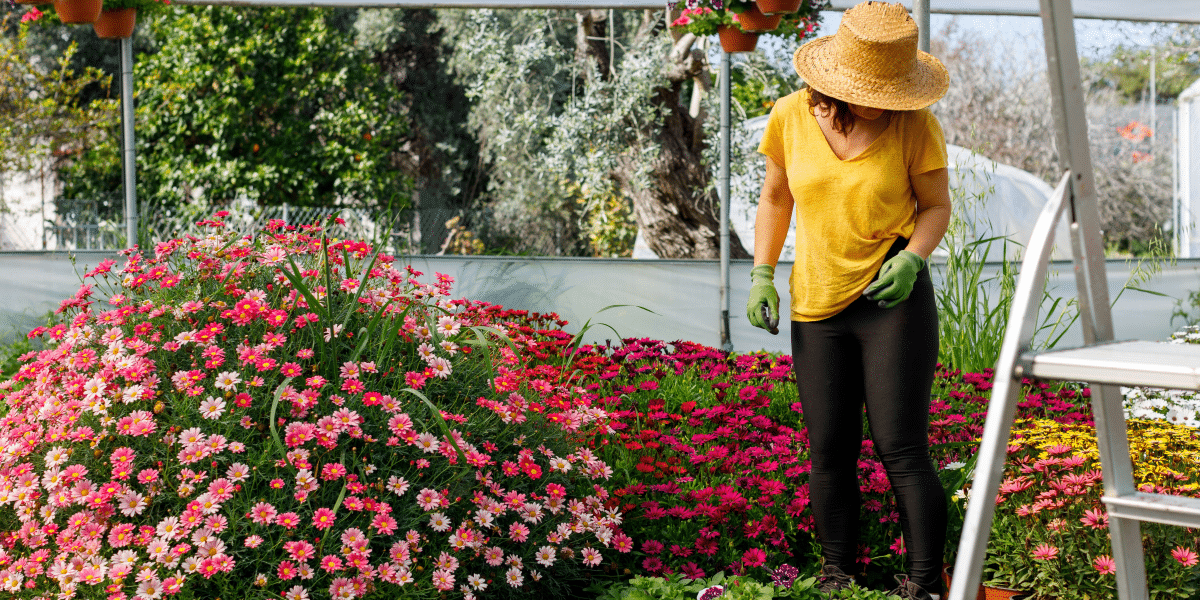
1100 361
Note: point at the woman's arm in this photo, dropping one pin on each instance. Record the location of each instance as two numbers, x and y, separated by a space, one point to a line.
775 205
932 189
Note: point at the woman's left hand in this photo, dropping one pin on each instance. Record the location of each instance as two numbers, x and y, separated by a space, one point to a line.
896 279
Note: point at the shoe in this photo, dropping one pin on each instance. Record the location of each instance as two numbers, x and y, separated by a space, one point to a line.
910 591
832 579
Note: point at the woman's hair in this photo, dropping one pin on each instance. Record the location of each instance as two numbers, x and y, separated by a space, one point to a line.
842 118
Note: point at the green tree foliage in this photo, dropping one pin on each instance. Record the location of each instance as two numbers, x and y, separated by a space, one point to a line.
439 151
41 113
269 104
1176 59
583 122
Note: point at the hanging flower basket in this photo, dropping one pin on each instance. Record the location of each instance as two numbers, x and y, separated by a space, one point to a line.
778 7
78 11
735 40
115 24
753 21
37 2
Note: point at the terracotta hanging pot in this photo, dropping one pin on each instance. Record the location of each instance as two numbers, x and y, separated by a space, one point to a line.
752 20
78 11
778 7
115 24
38 2
735 40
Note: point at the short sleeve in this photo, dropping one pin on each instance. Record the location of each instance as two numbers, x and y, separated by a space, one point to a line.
925 144
772 140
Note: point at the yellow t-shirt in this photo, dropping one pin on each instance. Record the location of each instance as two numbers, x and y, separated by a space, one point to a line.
848 212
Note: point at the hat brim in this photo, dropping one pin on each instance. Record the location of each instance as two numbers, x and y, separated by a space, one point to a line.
925 84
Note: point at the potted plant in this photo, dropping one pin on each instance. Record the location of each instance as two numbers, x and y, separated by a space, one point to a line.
117 19
739 22
78 11
749 18
1050 534
778 7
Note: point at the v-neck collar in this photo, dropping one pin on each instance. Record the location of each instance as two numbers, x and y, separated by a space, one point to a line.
870 147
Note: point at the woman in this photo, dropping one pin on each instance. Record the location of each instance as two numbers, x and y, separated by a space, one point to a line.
863 164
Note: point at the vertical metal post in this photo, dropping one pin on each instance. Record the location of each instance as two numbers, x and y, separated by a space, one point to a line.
1153 96
1176 222
723 191
131 215
921 16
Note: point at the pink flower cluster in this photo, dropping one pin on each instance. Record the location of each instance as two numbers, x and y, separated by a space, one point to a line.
215 414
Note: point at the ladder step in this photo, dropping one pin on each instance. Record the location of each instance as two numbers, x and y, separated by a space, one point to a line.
1129 363
1159 508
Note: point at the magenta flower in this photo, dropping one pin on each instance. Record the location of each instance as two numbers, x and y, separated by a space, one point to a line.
323 518
754 557
1105 564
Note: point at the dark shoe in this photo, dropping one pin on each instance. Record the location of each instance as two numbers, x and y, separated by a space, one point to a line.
909 590
832 580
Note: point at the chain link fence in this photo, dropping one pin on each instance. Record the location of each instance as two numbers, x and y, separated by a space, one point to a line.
79 226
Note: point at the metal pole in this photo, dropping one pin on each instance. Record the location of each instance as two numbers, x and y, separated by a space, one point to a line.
921 16
131 216
723 191
1153 97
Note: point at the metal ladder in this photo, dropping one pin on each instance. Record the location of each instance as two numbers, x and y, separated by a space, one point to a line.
1102 362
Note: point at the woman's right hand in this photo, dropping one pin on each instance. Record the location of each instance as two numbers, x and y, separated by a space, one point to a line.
762 292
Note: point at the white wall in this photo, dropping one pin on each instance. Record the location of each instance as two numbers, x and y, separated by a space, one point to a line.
26 201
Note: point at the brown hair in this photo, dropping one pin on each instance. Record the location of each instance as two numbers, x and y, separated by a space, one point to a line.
842 119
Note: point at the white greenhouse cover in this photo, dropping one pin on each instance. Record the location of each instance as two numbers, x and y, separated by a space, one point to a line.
990 199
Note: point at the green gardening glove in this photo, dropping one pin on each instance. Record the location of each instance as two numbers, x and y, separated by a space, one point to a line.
763 305
895 280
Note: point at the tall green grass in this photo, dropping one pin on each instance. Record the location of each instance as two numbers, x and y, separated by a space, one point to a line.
975 300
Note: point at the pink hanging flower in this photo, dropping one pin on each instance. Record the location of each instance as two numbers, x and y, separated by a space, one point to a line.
1105 564
1045 552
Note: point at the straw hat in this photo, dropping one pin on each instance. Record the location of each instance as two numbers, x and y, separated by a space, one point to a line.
873 61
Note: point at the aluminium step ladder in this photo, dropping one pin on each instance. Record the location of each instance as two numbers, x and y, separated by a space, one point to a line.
1102 362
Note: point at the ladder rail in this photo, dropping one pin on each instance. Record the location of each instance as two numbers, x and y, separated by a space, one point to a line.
1066 90
1018 335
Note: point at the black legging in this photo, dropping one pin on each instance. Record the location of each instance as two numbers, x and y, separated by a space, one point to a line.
883 358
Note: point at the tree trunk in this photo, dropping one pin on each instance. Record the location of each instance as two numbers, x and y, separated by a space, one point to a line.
593 27
678 213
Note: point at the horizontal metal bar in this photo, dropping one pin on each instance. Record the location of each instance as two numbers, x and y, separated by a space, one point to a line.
544 4
1129 363
1001 8
1158 508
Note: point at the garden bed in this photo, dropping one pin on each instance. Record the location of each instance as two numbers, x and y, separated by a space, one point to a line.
288 415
